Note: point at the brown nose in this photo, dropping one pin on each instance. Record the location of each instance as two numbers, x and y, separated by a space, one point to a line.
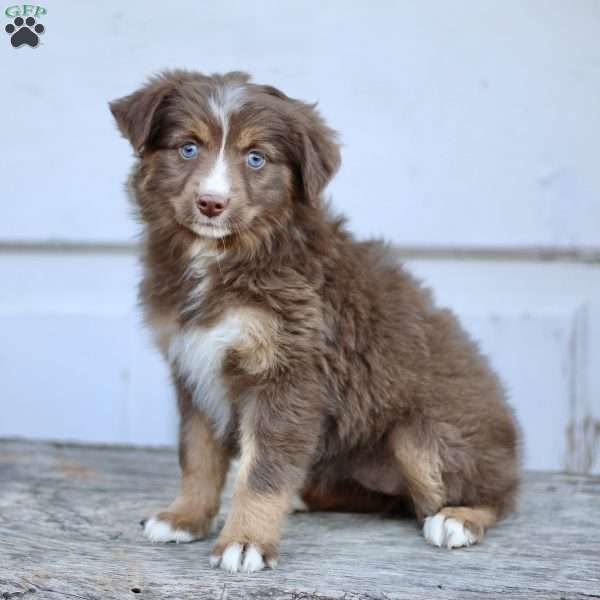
211 205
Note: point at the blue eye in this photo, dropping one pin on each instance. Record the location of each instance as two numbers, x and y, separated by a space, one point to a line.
255 159
188 151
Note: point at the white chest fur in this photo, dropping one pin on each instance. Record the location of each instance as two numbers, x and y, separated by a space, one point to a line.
197 354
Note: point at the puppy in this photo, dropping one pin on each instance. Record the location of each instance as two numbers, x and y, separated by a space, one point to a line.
314 357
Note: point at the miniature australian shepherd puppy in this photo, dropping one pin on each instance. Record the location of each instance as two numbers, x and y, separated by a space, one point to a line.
314 357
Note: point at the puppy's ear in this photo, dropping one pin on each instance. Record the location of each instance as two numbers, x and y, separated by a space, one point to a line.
134 113
316 149
320 157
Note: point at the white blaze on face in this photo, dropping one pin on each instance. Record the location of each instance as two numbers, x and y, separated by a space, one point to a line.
222 103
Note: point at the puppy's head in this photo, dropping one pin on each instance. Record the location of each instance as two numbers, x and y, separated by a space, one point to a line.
220 155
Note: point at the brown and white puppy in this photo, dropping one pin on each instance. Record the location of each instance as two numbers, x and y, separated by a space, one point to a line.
315 357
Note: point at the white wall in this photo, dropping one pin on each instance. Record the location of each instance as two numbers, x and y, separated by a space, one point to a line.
471 138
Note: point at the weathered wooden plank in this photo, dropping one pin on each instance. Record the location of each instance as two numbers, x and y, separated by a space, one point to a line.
69 529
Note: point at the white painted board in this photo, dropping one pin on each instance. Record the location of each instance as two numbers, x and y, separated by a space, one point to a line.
464 123
76 364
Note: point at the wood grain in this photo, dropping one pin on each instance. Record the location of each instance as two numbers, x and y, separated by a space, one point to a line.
69 528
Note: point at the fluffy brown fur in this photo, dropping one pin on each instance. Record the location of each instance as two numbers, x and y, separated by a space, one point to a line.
341 381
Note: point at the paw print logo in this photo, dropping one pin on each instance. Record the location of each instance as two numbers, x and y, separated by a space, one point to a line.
24 32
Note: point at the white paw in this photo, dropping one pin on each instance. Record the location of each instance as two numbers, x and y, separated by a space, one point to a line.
298 505
236 558
161 531
440 530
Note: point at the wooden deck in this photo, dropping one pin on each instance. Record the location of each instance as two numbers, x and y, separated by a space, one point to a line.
69 528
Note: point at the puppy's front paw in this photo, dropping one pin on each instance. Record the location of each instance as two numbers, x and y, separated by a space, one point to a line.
441 530
167 527
235 557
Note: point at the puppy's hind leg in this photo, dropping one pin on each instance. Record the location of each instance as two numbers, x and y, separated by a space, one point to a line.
420 465
416 450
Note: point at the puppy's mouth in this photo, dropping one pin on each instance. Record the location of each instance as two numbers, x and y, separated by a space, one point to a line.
220 226
230 223
211 229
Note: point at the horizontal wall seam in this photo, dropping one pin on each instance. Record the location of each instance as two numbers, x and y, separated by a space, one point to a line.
515 253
